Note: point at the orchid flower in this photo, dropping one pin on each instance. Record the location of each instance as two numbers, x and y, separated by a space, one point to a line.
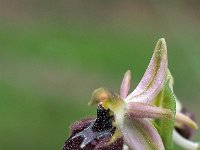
133 112
141 120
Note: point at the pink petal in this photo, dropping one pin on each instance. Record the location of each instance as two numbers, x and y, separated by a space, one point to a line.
125 86
144 110
154 77
140 134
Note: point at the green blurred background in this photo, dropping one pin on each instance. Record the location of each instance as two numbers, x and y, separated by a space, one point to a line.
53 54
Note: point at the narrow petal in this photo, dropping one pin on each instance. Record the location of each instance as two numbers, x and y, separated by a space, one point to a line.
140 134
125 86
184 143
185 120
144 110
154 77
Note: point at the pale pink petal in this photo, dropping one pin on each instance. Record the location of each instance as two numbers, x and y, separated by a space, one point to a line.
140 134
154 77
125 86
144 110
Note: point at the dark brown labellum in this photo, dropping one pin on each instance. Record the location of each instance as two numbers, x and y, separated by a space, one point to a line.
91 134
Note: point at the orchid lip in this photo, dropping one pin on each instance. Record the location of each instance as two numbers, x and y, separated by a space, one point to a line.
101 129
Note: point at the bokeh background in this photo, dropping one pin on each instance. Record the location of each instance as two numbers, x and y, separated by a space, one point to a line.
53 54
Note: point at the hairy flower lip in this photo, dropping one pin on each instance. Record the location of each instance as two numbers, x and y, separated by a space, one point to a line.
85 128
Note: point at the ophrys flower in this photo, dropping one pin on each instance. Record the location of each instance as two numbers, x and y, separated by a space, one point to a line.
141 120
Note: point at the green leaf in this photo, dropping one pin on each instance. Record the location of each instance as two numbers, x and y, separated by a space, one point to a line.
167 125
